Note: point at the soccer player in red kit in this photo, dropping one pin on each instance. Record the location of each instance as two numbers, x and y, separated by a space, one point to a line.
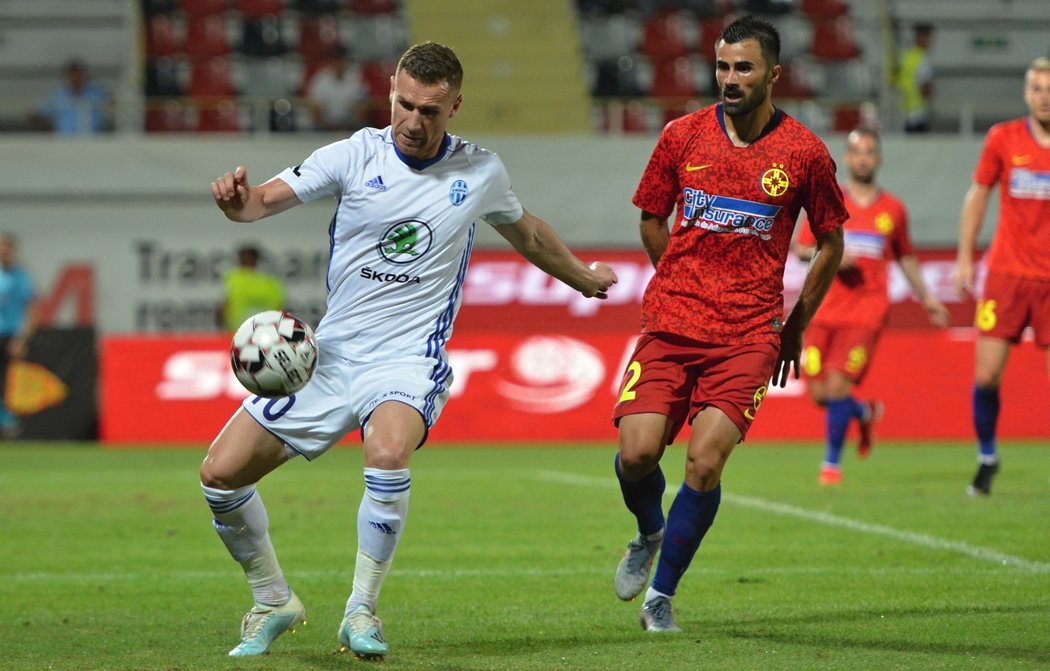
1016 157
841 339
713 327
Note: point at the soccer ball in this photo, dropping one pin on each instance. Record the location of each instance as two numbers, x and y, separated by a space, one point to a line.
273 354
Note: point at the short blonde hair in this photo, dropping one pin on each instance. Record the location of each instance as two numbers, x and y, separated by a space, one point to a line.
1041 64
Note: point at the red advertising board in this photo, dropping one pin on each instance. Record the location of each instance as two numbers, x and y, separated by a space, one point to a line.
535 361
539 387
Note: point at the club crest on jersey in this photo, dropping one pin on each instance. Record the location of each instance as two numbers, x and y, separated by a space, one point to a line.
405 242
457 193
775 181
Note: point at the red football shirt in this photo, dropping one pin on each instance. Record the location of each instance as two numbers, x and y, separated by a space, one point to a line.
721 278
1021 167
874 235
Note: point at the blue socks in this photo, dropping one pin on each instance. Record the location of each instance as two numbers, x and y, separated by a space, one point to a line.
644 498
839 414
985 417
688 520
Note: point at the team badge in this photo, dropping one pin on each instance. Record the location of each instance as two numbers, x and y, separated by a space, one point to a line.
405 241
457 193
884 223
775 181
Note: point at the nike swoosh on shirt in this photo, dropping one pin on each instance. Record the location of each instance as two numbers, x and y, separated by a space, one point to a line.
693 168
1021 160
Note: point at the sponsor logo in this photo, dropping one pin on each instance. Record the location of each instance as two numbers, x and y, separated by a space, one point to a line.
381 277
552 374
405 242
198 375
457 193
1034 184
693 168
376 183
723 214
775 181
760 394
382 527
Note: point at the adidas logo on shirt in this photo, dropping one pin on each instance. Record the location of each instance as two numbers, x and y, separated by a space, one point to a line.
376 183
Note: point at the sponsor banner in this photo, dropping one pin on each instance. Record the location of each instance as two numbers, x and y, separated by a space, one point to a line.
503 291
53 390
513 386
163 287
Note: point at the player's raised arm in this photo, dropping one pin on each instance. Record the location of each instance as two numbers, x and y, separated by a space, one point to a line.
242 202
534 239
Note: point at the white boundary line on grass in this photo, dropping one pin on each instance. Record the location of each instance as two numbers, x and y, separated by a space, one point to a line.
973 551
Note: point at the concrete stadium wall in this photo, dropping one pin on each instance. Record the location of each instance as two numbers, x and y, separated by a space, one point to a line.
139 211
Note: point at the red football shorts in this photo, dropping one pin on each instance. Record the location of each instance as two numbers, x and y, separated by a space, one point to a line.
678 377
1009 304
846 349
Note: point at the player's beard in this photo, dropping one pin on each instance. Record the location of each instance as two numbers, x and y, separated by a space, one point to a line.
749 103
868 178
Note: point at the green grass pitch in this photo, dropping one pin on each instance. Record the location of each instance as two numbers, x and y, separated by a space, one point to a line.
108 561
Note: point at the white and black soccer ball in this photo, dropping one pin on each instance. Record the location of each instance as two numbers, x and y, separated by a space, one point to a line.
274 354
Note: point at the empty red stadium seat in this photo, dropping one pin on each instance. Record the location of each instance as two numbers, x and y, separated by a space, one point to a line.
631 118
211 78
218 117
710 28
166 117
372 6
160 37
204 7
376 75
319 36
257 8
833 40
206 36
663 37
824 9
673 79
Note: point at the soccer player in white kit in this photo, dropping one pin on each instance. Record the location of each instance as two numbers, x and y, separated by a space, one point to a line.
408 199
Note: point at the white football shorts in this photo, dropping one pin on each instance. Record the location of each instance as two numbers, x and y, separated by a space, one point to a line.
342 394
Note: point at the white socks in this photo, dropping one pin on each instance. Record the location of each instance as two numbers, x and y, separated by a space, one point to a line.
380 521
243 525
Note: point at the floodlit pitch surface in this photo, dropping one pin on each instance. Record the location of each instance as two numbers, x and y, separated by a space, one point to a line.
108 561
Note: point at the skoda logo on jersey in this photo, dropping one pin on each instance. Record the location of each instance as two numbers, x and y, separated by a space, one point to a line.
405 242
457 193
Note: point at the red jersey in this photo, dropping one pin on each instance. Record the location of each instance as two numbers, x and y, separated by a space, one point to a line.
1021 167
874 235
721 278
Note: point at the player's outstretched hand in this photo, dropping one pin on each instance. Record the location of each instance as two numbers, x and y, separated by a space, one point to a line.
962 276
937 312
604 278
231 191
790 356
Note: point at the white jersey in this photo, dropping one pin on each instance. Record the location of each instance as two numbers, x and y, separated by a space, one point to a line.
400 240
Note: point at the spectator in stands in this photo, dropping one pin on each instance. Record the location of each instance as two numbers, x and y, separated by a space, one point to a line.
337 95
18 321
1016 291
78 107
248 290
915 81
